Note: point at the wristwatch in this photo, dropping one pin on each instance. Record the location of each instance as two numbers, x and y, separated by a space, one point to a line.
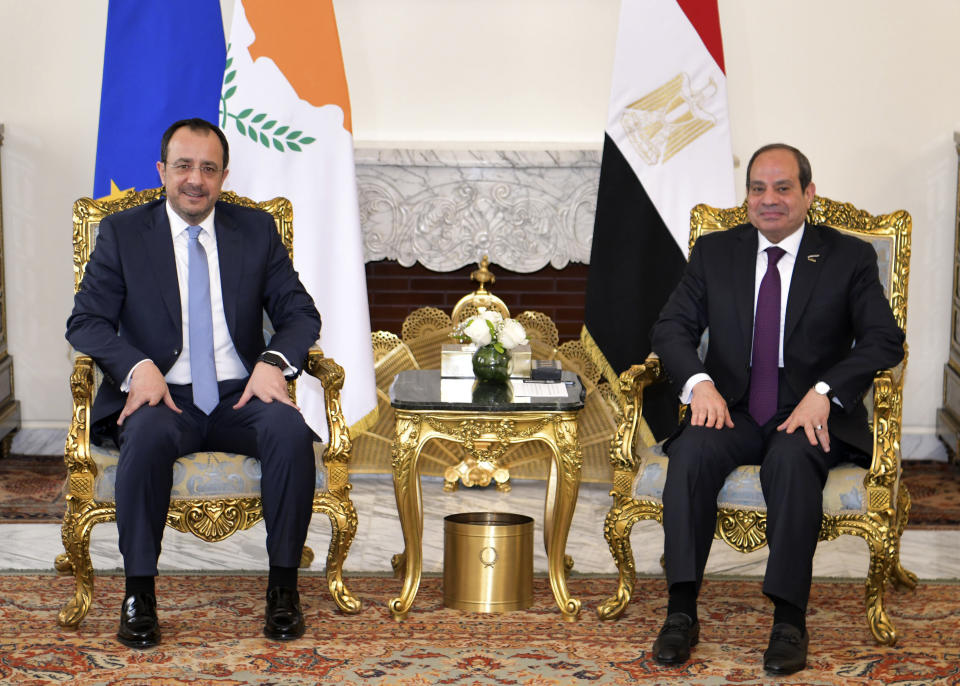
272 358
823 388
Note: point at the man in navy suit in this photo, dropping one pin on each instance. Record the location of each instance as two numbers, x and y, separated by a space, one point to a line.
798 326
171 309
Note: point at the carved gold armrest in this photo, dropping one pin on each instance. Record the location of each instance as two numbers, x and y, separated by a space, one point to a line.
632 383
77 449
330 375
882 477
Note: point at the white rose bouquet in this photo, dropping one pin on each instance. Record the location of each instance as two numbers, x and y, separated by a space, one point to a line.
489 326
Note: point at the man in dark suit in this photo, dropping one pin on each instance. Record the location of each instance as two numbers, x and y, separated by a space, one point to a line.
798 326
171 309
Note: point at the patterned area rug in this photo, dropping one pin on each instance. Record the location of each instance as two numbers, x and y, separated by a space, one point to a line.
30 491
935 492
31 488
212 635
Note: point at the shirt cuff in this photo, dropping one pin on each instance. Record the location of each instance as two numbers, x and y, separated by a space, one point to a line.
125 386
687 389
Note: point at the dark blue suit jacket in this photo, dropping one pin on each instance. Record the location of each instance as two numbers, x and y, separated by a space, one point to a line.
128 305
838 327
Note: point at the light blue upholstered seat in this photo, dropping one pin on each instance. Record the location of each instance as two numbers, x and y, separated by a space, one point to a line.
200 475
843 494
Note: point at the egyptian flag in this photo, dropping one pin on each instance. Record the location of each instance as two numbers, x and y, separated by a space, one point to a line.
286 111
667 148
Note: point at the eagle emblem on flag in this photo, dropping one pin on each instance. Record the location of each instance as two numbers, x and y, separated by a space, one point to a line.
669 118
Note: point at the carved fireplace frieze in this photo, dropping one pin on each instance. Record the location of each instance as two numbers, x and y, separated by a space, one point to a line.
447 209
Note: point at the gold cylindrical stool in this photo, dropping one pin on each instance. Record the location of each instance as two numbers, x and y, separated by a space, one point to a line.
487 561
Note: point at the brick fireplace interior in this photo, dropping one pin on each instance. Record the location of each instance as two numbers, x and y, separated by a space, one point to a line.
394 291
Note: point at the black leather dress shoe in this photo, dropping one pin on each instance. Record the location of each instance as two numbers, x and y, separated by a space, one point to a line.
679 633
283 619
787 650
139 627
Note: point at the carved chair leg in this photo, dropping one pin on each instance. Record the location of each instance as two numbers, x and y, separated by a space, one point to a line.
881 562
76 558
901 577
343 527
398 561
616 529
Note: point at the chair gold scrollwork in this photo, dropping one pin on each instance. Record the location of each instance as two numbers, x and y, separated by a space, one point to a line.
214 494
871 503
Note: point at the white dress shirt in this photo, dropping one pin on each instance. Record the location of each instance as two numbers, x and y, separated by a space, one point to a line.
791 246
227 360
229 364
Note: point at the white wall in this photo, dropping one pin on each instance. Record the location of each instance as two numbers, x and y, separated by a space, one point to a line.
865 87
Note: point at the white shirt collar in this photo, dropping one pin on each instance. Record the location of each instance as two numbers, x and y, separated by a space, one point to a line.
790 244
178 225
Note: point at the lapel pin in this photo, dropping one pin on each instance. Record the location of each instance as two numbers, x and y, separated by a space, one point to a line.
814 257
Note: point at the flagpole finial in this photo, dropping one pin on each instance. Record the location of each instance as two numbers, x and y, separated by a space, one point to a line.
483 276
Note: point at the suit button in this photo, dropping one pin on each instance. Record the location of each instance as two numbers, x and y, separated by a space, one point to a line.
176 352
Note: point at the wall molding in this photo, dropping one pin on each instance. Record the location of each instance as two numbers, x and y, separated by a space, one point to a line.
446 209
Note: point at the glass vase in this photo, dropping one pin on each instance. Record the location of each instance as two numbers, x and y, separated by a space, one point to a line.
491 365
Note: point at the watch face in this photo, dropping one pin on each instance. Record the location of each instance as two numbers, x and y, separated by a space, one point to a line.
822 388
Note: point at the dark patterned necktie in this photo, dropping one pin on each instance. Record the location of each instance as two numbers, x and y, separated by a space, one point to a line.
766 342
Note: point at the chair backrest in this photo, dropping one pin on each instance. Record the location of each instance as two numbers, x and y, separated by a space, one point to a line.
888 233
88 213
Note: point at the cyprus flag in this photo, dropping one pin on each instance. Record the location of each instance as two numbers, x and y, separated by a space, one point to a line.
286 112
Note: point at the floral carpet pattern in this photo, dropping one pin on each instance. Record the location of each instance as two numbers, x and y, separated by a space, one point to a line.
212 635
935 492
31 488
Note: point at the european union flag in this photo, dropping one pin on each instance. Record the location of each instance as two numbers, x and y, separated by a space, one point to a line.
163 61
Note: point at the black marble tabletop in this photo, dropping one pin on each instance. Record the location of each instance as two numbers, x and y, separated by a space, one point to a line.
424 389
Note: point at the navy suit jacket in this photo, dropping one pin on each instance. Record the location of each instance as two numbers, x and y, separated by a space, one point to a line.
838 328
128 305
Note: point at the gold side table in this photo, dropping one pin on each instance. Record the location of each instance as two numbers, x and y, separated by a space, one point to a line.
485 423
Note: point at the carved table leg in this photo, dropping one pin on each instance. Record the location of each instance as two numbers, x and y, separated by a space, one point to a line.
564 485
406 486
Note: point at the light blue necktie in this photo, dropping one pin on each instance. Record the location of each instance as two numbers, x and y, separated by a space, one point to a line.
203 368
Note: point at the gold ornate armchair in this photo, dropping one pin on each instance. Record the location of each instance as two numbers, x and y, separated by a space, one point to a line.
214 494
871 503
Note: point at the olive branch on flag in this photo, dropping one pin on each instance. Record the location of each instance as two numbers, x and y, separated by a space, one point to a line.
259 127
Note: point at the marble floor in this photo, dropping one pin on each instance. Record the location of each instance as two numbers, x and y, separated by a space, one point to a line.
931 554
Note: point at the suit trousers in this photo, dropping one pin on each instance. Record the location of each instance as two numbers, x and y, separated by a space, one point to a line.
792 476
152 438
